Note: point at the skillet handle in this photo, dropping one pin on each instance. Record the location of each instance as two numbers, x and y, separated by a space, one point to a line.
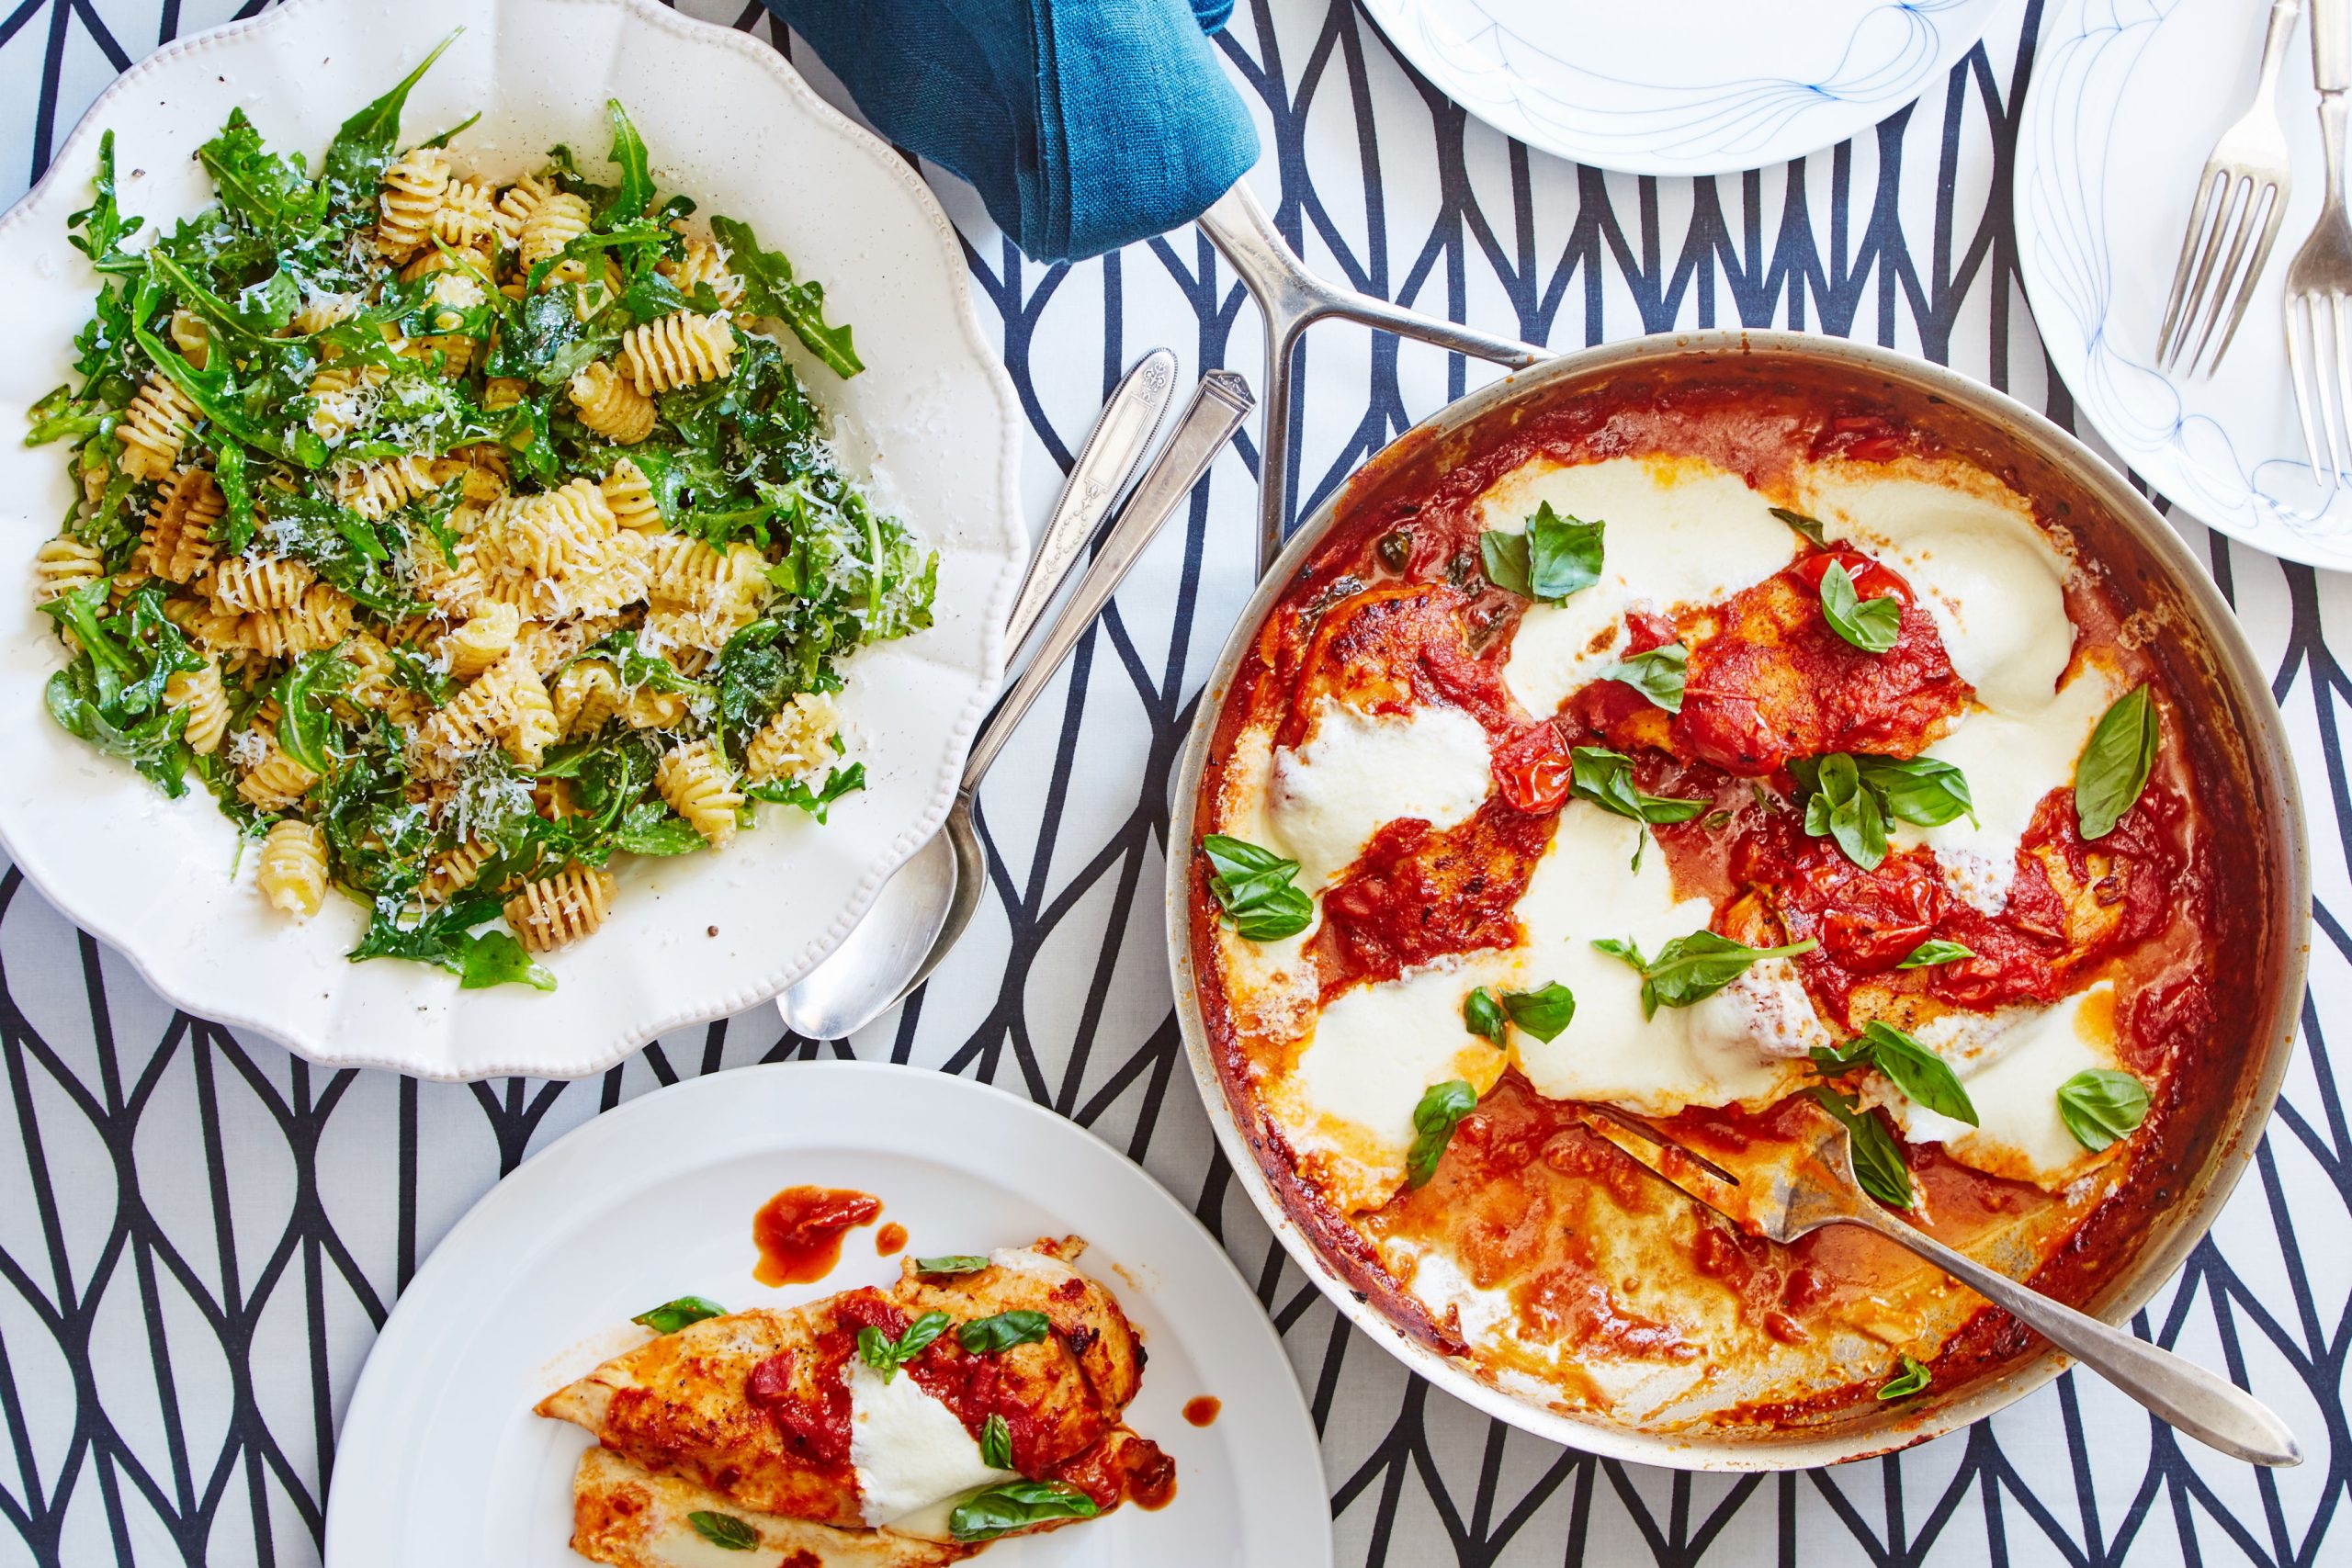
1293 299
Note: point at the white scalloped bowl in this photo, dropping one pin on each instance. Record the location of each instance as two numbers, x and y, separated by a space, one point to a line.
934 418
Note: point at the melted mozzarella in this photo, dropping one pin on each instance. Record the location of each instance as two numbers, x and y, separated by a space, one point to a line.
1712 1054
908 1449
1981 568
2010 764
1357 771
2013 1082
1679 530
1347 1104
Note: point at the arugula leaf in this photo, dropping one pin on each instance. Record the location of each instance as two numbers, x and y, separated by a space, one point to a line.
495 958
2113 769
1658 675
1482 1013
62 416
1692 968
817 801
1606 778
1544 1013
1441 1108
1253 886
152 744
635 193
996 1443
651 828
2100 1105
304 725
724 1530
235 530
951 1263
1913 1379
1010 1506
356 158
1933 951
1922 1075
99 229
445 938
671 1317
270 192
887 1355
1807 527
995 1334
1871 624
1878 1161
769 290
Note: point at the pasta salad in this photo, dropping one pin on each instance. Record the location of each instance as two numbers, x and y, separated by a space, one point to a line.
459 535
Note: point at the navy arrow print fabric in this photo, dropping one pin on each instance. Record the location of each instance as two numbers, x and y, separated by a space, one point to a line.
199 1235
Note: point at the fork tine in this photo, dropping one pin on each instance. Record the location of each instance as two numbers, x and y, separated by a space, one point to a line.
2191 232
2270 210
2341 311
2217 303
2300 338
2325 411
2225 221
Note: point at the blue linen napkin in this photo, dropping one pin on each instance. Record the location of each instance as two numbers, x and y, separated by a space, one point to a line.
1085 124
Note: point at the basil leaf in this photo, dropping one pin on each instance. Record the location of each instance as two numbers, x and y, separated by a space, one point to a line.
1504 556
1913 1379
1919 790
2101 1105
724 1530
1606 778
1692 968
1871 624
1658 675
951 1263
1543 1013
1253 886
1482 1014
1878 1162
2114 766
1808 526
1841 809
996 1443
992 1336
1441 1108
887 1355
1010 1506
1563 554
671 1317
1555 557
1923 1076
1934 951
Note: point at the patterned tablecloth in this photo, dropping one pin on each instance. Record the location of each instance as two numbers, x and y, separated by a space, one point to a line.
199 1235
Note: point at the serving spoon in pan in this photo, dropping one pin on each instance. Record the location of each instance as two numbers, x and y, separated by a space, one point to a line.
1784 1192
923 908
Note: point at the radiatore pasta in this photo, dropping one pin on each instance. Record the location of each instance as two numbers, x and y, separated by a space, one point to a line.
463 537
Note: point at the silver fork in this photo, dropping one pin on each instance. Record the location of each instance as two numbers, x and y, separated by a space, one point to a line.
2319 280
1781 1193
2240 197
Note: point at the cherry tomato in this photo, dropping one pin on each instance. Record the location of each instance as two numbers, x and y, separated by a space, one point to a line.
1535 768
1871 581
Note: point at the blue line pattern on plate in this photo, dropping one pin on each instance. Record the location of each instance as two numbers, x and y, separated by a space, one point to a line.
199 1235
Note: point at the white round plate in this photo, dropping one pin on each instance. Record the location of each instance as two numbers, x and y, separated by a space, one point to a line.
440 1460
2126 103
1682 87
933 418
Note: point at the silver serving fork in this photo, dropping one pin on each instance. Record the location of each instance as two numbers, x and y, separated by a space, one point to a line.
2319 280
1781 1193
2240 197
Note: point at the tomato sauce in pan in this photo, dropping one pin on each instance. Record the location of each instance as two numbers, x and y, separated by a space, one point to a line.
1395 611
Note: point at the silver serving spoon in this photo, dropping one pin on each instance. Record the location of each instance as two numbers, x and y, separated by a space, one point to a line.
924 908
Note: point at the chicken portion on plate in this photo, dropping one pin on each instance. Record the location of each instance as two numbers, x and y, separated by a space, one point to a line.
975 1397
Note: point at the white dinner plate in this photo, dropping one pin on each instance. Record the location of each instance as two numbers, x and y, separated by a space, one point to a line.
934 418
441 1460
2125 105
1682 87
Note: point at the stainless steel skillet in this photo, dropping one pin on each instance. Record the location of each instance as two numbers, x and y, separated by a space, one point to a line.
2240 734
